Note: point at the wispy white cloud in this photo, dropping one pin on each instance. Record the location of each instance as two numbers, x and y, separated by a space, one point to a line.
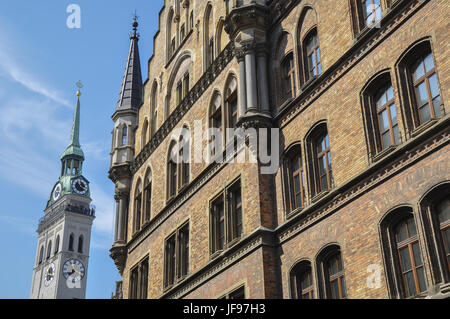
12 69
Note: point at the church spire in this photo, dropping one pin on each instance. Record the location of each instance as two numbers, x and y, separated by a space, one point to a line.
74 147
130 96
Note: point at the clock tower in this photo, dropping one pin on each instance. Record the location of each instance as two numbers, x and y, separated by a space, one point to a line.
64 233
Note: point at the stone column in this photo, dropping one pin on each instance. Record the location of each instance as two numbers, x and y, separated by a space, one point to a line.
242 84
251 81
263 87
116 226
122 217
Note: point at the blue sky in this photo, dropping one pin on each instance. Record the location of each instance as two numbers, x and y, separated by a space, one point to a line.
41 59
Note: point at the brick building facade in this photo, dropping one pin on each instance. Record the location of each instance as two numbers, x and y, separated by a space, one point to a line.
359 205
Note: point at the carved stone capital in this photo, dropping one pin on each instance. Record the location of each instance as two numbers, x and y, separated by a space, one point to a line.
119 255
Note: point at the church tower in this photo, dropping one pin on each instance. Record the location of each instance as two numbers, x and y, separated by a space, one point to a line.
125 120
64 233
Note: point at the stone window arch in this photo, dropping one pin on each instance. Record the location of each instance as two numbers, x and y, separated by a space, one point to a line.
405 267
49 249
208 36
147 195
138 206
80 244
419 86
302 281
435 216
380 113
71 239
330 273
215 122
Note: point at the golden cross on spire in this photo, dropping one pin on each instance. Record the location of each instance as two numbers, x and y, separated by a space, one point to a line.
79 86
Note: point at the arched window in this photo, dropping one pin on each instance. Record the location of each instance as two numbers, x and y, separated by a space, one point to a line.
215 123
144 134
302 282
295 182
49 249
71 239
443 217
208 47
231 102
331 273
138 206
57 245
147 195
288 76
312 61
171 38
124 135
420 85
319 156
172 174
80 244
41 254
406 273
380 114
153 110
184 157
435 213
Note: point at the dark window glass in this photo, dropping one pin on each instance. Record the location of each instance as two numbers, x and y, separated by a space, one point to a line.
304 281
134 283
237 294
288 70
71 239
183 248
335 276
143 280
218 225
297 181
443 212
410 258
170 261
137 209
235 215
80 244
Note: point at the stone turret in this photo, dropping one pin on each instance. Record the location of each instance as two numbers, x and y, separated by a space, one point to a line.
125 120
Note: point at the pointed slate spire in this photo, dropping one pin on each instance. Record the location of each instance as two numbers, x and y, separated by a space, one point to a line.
74 147
130 96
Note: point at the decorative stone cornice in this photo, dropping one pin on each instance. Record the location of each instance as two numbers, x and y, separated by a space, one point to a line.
194 94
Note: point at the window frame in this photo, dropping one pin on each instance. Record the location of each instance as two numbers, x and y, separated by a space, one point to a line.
325 278
416 51
230 216
288 75
176 261
313 33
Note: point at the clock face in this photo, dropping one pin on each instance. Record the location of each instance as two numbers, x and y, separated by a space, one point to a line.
49 274
57 191
73 270
80 186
